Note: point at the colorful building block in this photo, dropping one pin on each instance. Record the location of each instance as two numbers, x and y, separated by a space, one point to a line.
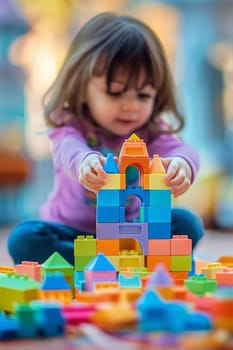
16 289
200 285
29 268
85 246
56 263
181 245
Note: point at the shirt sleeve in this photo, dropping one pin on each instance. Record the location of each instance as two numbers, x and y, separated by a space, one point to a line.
167 145
69 148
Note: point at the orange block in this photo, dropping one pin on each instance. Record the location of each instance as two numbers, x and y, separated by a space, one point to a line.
108 246
223 308
178 276
94 298
226 260
159 247
180 293
134 152
157 165
225 277
224 323
6 269
153 261
166 293
181 245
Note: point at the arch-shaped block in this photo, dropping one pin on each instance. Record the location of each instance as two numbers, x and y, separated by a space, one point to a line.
137 191
137 231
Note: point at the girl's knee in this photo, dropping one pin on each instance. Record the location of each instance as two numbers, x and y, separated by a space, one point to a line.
26 241
185 222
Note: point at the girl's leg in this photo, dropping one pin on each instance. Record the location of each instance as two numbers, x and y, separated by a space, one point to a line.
36 240
184 222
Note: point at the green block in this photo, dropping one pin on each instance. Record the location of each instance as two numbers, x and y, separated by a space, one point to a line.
200 285
85 246
56 262
181 263
140 271
80 262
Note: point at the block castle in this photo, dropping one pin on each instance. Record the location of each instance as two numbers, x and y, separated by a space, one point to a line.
145 241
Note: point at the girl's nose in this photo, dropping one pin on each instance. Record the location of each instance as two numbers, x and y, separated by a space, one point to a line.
130 104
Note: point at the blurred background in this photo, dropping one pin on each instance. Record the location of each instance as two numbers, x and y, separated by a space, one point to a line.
198 39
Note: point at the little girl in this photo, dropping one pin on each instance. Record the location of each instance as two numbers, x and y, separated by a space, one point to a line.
115 81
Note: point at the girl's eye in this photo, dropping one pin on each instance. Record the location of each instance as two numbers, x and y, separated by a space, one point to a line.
144 96
115 94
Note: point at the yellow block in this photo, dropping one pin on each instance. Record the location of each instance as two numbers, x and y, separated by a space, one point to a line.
154 182
115 182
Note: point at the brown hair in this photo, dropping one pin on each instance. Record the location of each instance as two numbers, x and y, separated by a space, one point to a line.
104 44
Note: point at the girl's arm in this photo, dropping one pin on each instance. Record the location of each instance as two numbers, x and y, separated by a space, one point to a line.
69 150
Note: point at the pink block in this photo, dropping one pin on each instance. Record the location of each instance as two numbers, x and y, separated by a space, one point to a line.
102 276
77 314
158 247
91 277
29 268
181 245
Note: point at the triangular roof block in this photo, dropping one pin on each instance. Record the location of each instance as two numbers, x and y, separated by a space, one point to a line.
100 263
134 138
56 261
110 165
157 165
148 300
160 278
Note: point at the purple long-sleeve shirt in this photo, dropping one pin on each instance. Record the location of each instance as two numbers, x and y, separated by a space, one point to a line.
70 203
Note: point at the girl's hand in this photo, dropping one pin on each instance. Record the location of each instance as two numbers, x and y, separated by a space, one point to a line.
91 173
178 175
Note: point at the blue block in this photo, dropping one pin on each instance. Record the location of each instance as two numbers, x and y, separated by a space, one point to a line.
9 328
26 318
137 191
130 282
160 198
157 315
122 214
78 276
107 214
109 198
198 322
55 282
158 214
159 230
110 165
52 323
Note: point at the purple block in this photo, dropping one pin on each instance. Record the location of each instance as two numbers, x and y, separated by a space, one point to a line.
137 231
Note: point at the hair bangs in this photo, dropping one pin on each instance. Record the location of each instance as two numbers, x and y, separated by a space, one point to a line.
128 55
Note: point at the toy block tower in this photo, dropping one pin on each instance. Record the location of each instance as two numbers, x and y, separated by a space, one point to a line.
146 241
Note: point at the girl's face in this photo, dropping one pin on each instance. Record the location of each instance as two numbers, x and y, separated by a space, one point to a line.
120 111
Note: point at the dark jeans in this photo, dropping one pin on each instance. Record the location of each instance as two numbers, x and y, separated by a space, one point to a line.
36 240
